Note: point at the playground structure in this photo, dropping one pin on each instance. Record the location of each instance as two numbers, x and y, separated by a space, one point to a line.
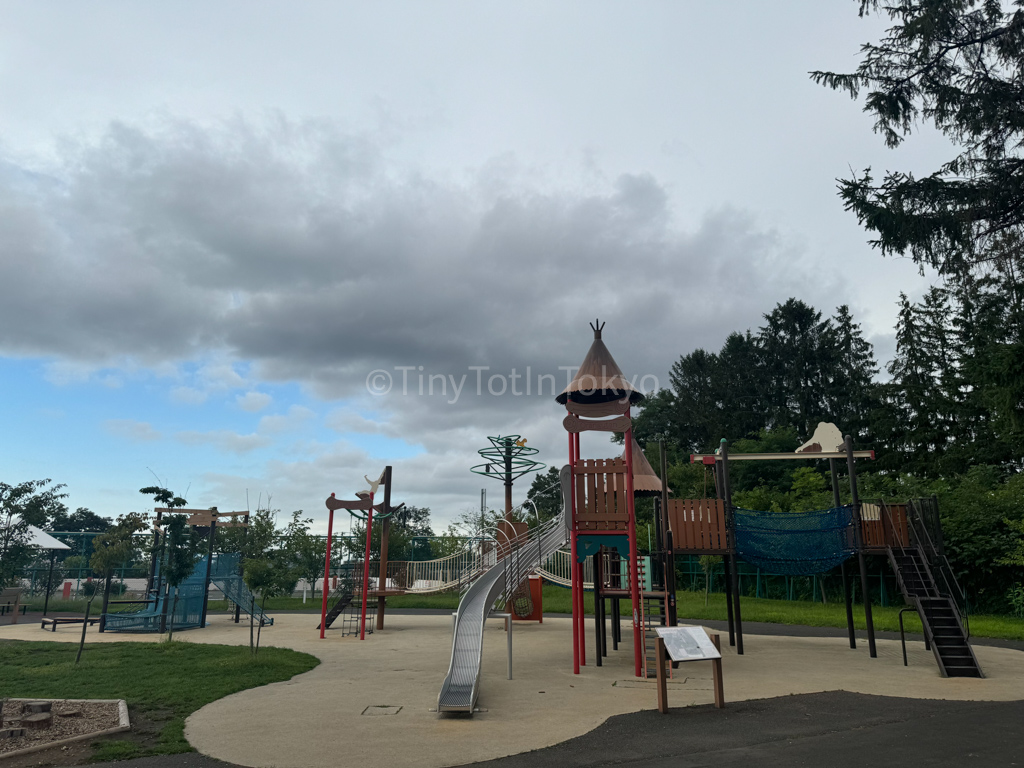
908 535
602 510
185 607
349 588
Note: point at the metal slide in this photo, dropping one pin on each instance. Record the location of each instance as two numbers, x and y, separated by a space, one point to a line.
461 687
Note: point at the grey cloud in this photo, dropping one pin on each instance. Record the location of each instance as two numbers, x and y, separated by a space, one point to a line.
298 248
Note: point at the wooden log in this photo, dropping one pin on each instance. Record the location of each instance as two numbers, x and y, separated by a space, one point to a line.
40 721
37 706
11 733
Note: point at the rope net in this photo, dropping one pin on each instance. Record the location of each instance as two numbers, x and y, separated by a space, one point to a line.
796 543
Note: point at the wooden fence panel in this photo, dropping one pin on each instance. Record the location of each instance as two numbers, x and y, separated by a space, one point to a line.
698 526
601 495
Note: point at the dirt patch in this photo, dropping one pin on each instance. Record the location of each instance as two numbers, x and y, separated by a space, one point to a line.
68 719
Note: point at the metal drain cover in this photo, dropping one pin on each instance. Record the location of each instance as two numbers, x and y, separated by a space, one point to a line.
381 709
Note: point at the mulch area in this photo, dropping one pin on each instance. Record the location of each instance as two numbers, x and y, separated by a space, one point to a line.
69 719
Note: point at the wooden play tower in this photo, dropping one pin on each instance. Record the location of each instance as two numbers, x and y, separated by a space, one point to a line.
598 399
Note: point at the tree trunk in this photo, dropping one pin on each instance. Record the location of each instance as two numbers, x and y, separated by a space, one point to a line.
106 601
707 587
263 605
170 626
252 607
85 623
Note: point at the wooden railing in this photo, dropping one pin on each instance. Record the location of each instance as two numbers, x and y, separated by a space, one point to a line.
879 531
601 495
698 526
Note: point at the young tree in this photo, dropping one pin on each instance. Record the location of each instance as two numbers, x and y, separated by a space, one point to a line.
114 547
955 64
267 576
306 553
180 557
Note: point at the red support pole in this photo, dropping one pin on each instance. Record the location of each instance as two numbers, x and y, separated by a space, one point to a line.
572 560
366 570
580 594
634 586
327 575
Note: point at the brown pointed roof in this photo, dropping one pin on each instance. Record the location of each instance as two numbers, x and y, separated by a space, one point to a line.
645 481
599 379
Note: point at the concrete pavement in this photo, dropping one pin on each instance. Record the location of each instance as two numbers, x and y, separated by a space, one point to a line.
317 719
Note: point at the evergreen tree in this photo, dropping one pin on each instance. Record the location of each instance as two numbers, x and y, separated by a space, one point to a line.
956 64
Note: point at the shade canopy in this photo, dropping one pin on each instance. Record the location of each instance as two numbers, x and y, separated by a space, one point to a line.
43 540
599 379
645 481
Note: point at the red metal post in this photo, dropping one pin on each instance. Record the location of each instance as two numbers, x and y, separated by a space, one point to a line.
572 559
366 570
581 593
327 575
634 586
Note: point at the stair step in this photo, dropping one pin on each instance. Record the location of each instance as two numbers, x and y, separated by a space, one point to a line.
963 671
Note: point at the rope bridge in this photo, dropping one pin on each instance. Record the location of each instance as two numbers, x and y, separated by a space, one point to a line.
796 543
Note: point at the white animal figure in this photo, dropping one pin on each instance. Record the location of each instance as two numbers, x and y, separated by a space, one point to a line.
826 439
374 484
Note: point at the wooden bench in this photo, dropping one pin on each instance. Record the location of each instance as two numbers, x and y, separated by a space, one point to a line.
11 598
53 621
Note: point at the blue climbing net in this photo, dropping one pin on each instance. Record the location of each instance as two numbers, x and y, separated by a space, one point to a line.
796 543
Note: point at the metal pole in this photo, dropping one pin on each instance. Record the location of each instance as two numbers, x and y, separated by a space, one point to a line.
508 480
634 581
385 533
668 543
152 560
366 570
572 560
842 567
581 592
726 569
855 500
731 517
209 567
49 582
327 576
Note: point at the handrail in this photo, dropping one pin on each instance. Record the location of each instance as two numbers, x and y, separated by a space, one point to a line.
953 590
926 577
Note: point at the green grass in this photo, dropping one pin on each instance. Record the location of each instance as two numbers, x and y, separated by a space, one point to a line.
162 682
691 606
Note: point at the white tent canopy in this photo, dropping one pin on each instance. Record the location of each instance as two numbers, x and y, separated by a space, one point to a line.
43 540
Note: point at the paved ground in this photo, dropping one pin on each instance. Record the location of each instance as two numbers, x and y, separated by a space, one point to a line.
853 710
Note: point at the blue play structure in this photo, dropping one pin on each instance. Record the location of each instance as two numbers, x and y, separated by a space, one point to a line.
225 574
796 543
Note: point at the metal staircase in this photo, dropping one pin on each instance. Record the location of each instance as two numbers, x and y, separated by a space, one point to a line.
226 575
945 625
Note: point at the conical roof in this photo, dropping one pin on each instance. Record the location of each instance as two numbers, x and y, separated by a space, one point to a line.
645 481
599 379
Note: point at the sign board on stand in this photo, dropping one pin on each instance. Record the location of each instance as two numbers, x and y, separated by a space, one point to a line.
687 644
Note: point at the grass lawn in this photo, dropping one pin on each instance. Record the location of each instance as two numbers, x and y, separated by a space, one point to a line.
690 606
163 683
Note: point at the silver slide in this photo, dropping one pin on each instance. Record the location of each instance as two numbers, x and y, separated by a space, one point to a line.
461 687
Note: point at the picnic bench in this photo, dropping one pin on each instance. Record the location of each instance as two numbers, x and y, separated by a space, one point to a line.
53 621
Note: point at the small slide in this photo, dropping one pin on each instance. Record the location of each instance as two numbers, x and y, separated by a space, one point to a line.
461 688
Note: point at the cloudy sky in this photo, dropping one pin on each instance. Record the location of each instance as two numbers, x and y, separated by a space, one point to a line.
227 228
